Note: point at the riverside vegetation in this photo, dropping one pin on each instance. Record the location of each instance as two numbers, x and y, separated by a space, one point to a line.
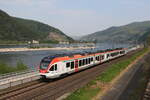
4 68
92 88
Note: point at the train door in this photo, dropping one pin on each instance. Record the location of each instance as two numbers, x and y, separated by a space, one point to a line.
76 65
68 66
101 58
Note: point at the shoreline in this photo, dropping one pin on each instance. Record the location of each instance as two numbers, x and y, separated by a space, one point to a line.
40 49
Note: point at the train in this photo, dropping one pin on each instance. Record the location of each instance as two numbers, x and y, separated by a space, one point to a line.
58 65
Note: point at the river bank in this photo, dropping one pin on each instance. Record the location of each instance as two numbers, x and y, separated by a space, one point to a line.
38 49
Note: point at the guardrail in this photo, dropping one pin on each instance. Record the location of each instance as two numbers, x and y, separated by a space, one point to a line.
7 75
16 78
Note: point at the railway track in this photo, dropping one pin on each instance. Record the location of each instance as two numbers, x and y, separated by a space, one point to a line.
55 89
147 92
20 90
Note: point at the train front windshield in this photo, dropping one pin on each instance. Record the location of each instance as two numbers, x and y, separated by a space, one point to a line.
44 64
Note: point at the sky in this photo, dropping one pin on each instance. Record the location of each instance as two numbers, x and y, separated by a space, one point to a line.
79 17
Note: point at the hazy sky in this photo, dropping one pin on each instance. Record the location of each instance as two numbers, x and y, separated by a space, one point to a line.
82 17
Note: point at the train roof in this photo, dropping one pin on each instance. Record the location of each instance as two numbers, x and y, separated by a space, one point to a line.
50 57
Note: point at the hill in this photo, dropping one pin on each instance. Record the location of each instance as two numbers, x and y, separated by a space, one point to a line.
130 33
18 29
145 38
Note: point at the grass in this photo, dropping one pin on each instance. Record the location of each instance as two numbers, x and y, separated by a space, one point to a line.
12 42
88 92
4 68
81 95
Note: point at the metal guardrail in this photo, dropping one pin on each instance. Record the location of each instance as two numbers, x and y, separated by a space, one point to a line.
7 75
16 78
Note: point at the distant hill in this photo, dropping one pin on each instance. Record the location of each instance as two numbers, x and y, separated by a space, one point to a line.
145 37
18 29
75 37
130 33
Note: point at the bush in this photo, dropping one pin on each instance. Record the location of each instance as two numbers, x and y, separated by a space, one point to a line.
4 68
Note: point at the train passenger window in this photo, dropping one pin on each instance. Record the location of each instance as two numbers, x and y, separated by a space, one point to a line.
111 54
72 65
86 61
55 66
83 61
91 59
122 52
80 63
52 68
114 54
102 57
107 55
96 58
68 64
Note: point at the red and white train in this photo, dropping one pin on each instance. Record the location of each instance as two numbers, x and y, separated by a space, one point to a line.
58 65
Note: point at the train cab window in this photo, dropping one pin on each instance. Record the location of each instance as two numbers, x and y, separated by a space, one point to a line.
68 64
55 67
44 65
72 65
52 68
80 63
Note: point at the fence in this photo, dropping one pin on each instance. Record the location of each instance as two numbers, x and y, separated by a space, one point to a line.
12 79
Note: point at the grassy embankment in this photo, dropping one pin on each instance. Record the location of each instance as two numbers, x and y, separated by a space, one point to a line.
94 87
4 68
